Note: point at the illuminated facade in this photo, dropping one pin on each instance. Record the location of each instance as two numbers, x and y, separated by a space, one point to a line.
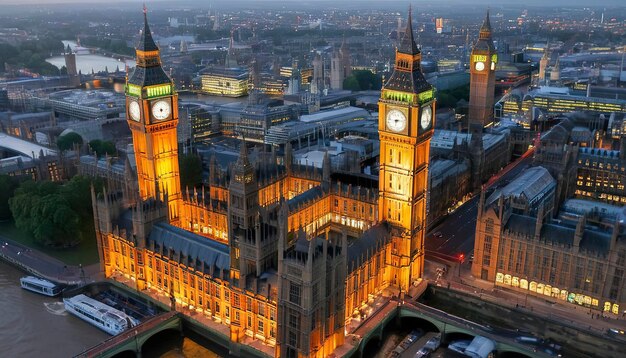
152 115
228 82
405 125
483 61
579 258
279 253
555 104
591 173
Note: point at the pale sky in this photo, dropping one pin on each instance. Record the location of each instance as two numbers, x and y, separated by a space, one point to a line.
218 3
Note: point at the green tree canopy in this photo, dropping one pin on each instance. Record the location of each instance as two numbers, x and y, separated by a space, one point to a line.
53 214
103 147
190 170
362 80
8 185
66 142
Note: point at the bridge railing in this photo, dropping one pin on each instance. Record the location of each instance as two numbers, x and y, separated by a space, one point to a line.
127 335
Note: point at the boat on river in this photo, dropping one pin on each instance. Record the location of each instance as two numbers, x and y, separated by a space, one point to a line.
99 314
41 286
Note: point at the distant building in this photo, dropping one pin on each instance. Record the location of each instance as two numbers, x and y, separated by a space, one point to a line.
87 105
583 172
203 120
228 82
340 66
70 65
25 125
483 63
552 101
313 127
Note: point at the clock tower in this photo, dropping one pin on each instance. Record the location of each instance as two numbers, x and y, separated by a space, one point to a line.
152 115
483 63
405 125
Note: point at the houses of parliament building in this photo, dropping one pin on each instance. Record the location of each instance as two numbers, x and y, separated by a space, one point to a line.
277 252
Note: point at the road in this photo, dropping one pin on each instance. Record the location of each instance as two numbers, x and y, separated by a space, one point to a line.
42 265
457 230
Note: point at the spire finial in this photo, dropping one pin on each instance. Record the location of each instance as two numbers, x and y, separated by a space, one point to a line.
407 45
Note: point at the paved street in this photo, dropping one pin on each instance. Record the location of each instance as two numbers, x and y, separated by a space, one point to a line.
564 312
457 230
45 266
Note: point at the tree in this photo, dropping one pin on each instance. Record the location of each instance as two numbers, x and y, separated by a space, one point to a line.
350 83
66 142
103 147
8 185
190 170
362 80
55 215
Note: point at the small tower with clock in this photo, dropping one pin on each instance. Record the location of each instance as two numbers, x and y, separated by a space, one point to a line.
483 63
405 126
152 115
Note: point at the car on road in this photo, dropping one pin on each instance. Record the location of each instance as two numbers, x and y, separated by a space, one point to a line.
528 340
433 343
616 331
438 234
424 352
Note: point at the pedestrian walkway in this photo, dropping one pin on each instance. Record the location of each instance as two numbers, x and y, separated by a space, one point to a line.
45 266
561 311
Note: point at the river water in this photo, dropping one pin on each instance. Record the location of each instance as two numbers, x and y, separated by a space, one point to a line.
86 62
33 325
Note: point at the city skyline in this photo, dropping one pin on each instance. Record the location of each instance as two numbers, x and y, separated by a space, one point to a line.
417 3
306 180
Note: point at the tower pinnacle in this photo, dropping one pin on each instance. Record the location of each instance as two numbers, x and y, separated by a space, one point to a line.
485 29
407 45
147 42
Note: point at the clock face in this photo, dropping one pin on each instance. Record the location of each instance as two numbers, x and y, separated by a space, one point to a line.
161 109
134 111
426 118
493 66
396 120
479 66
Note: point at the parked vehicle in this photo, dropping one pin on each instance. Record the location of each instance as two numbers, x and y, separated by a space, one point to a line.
459 346
424 352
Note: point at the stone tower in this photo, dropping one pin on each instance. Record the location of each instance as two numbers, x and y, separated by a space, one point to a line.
152 115
405 125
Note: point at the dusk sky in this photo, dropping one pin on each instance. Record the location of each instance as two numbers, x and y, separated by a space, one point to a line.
552 3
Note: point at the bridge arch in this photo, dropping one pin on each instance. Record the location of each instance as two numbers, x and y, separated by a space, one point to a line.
375 338
125 354
452 336
158 335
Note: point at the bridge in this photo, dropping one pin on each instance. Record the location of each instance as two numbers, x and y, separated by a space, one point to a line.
451 328
133 339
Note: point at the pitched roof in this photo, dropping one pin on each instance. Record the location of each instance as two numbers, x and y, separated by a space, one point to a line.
407 45
214 254
146 43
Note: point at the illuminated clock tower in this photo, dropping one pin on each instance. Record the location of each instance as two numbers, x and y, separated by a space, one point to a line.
152 114
405 126
482 79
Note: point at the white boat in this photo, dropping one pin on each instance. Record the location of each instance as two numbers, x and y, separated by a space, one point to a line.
40 285
100 315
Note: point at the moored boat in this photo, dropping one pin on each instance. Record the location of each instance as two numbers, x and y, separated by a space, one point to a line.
99 314
41 286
